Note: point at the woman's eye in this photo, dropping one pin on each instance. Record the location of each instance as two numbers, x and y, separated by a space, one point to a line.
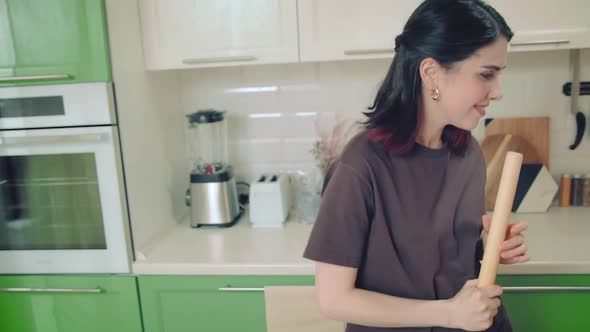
487 76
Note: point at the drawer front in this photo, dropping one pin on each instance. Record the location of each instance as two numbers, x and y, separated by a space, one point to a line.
547 302
208 303
69 304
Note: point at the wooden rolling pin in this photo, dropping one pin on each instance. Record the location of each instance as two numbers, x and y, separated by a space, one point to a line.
500 219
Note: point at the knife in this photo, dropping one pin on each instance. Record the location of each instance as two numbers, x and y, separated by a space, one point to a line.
575 92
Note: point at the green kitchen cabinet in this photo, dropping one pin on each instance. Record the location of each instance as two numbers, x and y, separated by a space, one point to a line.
560 303
208 303
69 304
236 303
53 42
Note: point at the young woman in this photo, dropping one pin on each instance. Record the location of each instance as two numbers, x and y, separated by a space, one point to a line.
398 238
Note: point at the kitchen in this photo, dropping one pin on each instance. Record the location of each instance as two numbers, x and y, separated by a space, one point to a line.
276 106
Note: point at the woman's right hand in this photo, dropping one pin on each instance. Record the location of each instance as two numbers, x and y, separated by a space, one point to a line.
472 308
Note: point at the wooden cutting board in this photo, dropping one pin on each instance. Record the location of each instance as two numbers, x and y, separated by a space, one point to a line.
494 149
535 130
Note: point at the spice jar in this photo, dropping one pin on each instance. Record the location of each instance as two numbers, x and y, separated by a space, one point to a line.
565 190
577 192
586 199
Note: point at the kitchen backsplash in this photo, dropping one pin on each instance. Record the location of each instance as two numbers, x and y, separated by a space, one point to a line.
273 112
274 109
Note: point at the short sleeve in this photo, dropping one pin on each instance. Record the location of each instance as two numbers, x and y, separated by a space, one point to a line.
341 229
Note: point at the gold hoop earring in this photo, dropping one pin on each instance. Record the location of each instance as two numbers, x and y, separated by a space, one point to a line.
435 94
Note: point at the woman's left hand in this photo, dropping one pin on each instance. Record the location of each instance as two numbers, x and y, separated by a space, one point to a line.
513 249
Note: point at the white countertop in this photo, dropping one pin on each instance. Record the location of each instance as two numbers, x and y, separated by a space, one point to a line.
558 242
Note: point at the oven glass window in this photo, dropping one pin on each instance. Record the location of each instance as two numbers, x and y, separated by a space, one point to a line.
50 202
30 107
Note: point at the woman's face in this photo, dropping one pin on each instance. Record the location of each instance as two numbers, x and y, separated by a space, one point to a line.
469 86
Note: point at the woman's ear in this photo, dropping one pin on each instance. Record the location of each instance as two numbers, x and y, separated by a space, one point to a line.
429 73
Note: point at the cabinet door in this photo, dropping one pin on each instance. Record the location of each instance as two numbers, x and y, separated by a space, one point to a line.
213 33
69 304
561 303
53 41
208 303
546 24
351 29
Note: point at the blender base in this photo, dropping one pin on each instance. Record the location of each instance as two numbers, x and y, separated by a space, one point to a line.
225 225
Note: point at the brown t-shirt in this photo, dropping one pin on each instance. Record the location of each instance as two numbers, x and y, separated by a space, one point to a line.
409 224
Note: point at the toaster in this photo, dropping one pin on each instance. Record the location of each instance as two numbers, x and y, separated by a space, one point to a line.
270 200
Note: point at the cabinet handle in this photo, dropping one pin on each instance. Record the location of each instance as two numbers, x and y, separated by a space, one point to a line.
83 138
35 78
369 51
197 61
506 289
51 290
241 289
540 42
545 289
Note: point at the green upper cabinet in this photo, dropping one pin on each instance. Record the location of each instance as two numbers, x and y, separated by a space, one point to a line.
69 304
208 303
53 41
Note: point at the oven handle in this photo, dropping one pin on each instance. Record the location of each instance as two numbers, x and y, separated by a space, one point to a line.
35 78
82 138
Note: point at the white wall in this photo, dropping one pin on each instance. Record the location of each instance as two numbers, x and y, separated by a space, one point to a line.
149 111
532 87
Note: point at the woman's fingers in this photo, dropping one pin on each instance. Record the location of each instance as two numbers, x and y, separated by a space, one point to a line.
517 228
516 260
512 242
518 251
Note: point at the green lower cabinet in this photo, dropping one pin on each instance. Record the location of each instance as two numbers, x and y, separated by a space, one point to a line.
208 303
547 310
47 304
231 303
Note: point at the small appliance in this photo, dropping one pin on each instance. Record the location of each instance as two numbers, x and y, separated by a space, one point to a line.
212 195
270 200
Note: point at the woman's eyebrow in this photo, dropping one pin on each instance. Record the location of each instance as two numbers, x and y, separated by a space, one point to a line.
493 67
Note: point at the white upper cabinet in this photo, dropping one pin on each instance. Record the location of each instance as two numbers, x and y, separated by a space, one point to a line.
350 29
546 24
212 33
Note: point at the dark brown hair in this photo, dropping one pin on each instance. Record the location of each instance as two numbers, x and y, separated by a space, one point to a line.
448 31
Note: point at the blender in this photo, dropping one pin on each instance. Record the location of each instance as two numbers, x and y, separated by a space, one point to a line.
212 195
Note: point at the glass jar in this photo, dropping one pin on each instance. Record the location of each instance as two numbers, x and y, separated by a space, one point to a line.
308 195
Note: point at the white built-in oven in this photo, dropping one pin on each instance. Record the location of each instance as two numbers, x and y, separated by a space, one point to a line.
62 198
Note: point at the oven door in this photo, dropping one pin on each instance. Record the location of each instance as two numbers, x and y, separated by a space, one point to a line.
59 105
62 202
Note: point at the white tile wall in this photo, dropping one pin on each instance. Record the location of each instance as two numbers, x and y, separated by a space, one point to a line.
272 109
532 87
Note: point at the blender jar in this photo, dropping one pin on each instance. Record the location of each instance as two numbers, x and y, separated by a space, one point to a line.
212 195
208 141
